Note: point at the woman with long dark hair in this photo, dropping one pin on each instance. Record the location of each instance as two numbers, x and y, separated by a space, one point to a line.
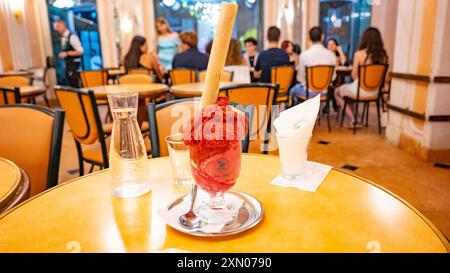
371 51
139 57
333 46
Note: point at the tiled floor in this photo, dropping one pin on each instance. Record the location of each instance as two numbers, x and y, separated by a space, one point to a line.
425 187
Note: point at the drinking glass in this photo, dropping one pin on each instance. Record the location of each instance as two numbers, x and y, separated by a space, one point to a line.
179 159
215 167
127 154
293 155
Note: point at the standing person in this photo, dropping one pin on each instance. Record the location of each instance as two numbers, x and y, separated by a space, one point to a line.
370 51
168 43
189 56
139 57
288 47
274 56
71 52
317 54
251 56
333 46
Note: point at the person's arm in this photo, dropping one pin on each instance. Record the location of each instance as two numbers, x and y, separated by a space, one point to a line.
301 71
342 57
356 63
76 44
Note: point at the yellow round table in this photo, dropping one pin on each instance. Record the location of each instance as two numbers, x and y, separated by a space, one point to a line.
10 178
145 91
150 90
189 90
31 91
346 214
15 73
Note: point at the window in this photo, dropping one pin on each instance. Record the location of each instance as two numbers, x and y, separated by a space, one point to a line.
201 15
345 20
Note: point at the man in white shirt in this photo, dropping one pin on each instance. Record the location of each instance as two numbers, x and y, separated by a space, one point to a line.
317 54
71 52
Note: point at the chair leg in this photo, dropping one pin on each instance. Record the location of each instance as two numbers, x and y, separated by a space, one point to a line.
81 168
92 168
356 117
343 113
378 115
363 113
46 100
328 121
367 114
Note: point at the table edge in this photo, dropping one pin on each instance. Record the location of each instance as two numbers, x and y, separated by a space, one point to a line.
435 229
18 178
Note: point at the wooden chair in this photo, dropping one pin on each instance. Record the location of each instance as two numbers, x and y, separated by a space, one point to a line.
135 79
163 116
182 76
9 96
140 71
225 76
84 122
371 79
318 80
31 137
93 78
12 82
39 74
262 96
282 75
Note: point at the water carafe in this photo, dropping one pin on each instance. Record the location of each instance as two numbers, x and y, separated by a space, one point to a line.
127 153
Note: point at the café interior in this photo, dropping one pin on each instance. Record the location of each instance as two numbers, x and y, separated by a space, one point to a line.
347 155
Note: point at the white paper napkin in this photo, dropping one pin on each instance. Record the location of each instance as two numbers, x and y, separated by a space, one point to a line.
299 120
172 216
313 176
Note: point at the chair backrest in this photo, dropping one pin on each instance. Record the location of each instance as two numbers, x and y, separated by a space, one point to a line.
92 78
135 79
173 115
31 137
140 71
371 77
225 76
15 81
261 95
182 76
163 117
9 95
282 75
81 113
318 78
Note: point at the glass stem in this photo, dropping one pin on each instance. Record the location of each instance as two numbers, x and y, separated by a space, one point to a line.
217 201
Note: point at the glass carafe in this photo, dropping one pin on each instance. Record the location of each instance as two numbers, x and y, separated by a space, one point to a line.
127 153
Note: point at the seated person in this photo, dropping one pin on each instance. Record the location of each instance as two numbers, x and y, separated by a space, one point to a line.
371 51
274 56
333 46
317 54
189 56
138 56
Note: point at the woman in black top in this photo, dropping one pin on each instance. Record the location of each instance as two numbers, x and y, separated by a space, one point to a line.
333 46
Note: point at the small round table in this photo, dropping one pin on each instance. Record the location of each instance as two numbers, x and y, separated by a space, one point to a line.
14 185
190 90
15 73
345 214
145 91
31 91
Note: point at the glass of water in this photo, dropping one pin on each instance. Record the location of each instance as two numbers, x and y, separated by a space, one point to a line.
127 154
179 158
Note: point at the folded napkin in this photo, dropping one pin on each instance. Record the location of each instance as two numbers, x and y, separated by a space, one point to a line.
313 175
171 217
298 121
